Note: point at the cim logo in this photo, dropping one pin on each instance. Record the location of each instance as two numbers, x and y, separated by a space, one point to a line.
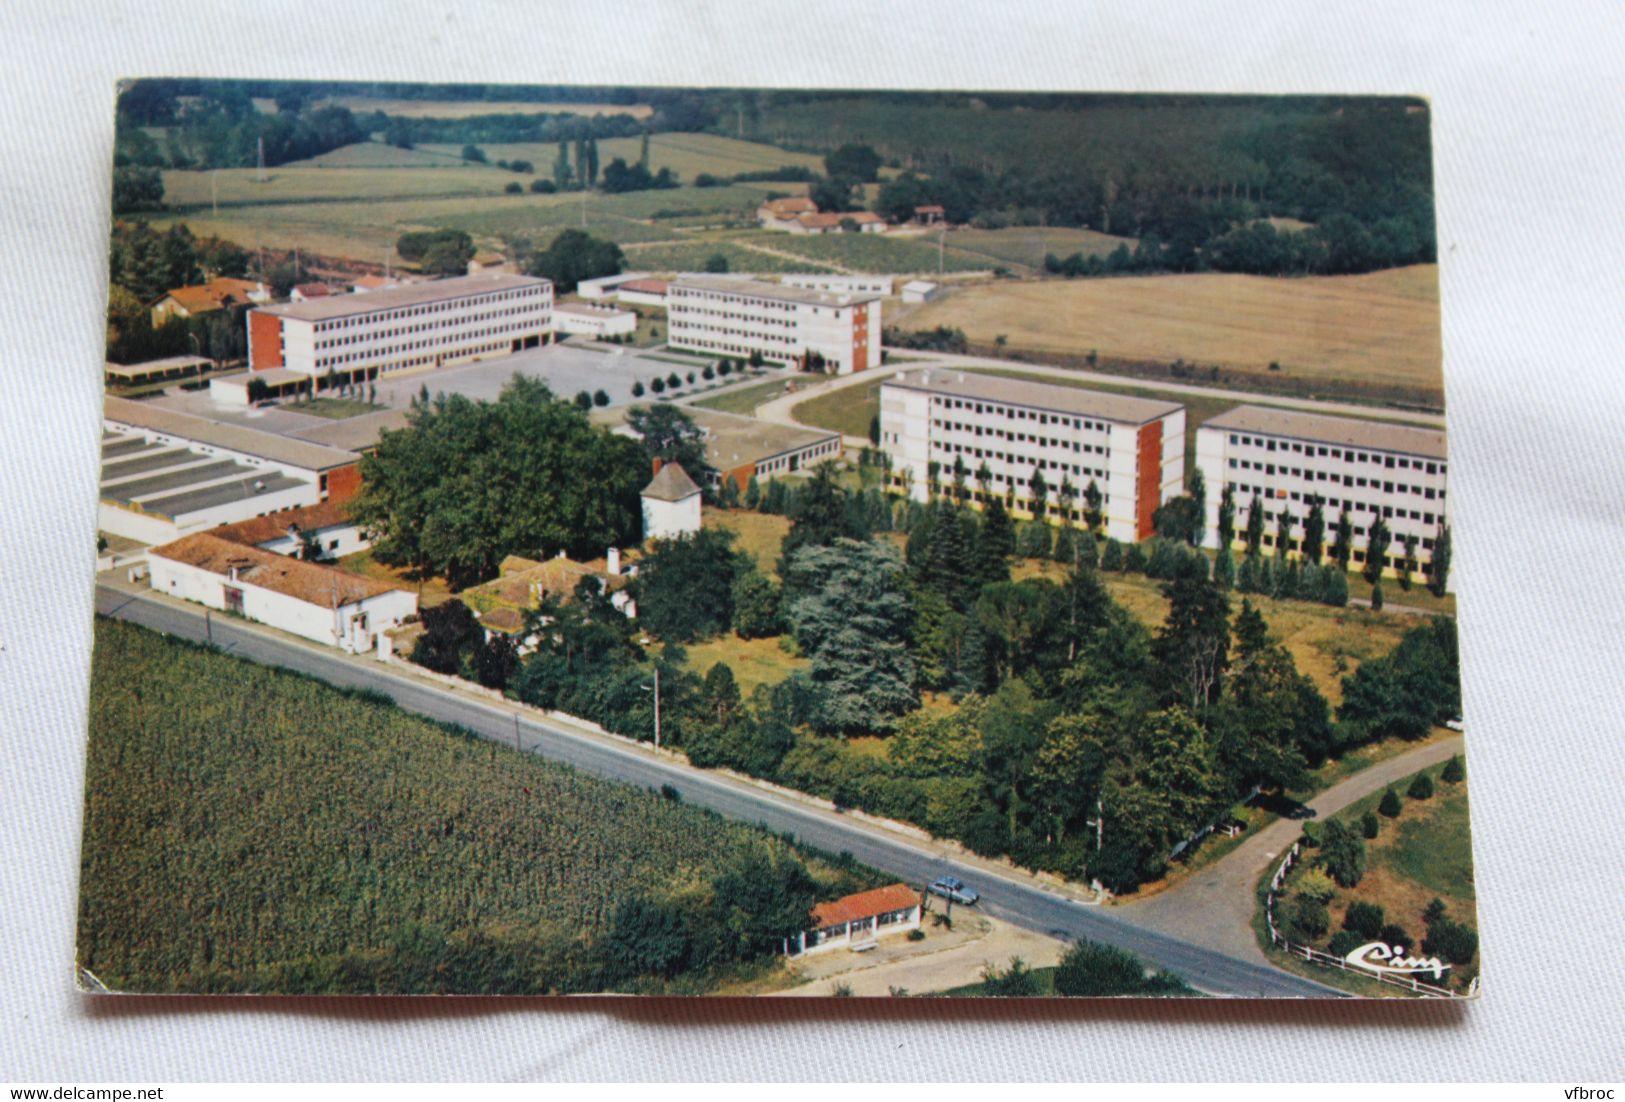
1383 959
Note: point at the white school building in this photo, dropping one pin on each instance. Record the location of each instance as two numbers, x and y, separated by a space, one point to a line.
735 317
422 325
1133 449
1287 459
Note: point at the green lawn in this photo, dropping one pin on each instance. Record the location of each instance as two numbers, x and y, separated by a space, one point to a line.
746 399
872 252
334 408
849 410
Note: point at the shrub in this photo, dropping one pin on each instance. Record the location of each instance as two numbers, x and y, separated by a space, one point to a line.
1364 919
725 368
1309 921
1456 942
584 400
657 385
674 380
600 397
1134 561
1112 557
1316 885
1344 942
515 188
1394 935
1343 854
1390 805
1421 788
709 372
1370 825
916 935
1454 772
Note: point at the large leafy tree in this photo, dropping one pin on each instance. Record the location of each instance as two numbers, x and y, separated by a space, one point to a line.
823 513
575 255
685 586
851 618
1405 692
1193 646
466 483
670 435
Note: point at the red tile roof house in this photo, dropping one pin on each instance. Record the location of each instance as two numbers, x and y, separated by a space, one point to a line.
204 298
855 922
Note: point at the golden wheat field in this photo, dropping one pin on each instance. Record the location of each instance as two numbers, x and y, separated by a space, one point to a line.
1382 328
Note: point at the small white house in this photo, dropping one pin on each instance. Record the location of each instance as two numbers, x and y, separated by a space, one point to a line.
671 504
594 321
857 921
920 290
320 603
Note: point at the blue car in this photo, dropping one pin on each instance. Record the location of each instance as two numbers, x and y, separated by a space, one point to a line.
951 887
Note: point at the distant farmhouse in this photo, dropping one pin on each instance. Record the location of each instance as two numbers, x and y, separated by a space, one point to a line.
802 216
1133 449
206 298
776 213
733 317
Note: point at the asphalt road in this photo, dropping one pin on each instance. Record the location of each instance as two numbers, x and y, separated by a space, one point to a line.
1022 903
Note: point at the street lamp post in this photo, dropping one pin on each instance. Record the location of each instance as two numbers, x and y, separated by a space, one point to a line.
656 690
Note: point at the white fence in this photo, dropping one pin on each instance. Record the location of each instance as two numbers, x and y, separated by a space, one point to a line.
1280 941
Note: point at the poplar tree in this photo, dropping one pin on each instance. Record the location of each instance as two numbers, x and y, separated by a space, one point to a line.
1314 532
1227 518
1255 527
1343 548
1440 573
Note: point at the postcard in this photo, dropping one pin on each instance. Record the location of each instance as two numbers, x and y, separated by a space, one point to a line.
707 541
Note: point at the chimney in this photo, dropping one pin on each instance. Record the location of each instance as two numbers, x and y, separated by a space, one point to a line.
613 557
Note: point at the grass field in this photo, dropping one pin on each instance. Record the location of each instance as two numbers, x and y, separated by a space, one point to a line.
872 252
753 661
758 534
1378 329
691 256
467 109
189 190
250 829
686 154
746 399
848 410
1026 245
379 155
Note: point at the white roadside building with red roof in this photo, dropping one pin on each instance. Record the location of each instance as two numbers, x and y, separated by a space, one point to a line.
856 921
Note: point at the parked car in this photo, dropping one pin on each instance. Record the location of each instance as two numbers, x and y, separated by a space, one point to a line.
951 887
1454 724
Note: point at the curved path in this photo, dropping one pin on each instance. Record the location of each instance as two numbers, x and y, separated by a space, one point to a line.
1214 907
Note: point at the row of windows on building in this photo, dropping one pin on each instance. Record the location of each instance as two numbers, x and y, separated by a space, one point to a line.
1017 413
410 346
689 313
798 459
1334 505
1349 455
682 297
1058 469
682 330
1357 556
1019 437
1351 481
900 480
470 319
375 317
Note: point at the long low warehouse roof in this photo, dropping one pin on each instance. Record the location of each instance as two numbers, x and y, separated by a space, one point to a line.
1347 432
144 416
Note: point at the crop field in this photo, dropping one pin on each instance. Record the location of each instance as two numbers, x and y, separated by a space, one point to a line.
467 109
1026 245
196 190
379 155
870 252
690 256
247 828
1380 329
686 154
521 213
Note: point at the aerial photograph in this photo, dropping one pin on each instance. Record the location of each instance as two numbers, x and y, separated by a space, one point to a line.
779 542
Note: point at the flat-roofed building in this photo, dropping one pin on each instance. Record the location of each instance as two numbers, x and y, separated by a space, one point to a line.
166 473
840 284
604 287
415 326
580 318
733 317
168 369
1133 449
1288 459
316 602
741 448
643 292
